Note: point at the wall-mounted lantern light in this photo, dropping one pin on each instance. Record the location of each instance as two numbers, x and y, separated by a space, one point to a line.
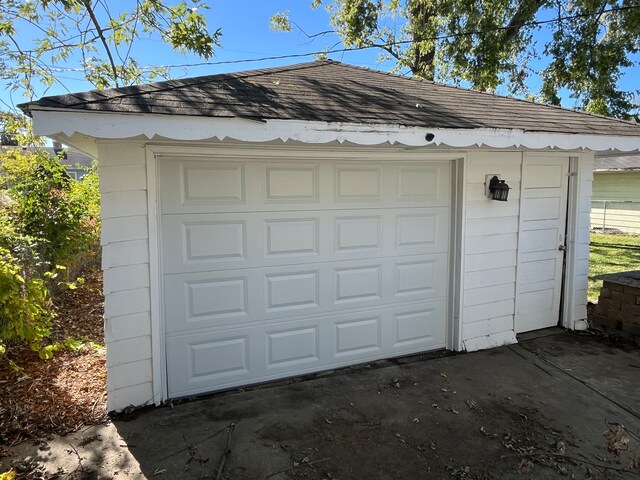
496 189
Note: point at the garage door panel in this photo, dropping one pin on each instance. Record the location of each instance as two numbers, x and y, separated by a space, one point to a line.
424 183
294 346
223 358
203 242
358 183
290 183
418 277
358 336
200 186
212 299
212 183
288 237
357 284
273 268
358 234
292 291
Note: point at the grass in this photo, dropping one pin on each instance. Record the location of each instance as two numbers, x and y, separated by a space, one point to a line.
609 254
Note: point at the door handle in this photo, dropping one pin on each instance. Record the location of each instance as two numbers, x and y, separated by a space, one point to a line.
562 248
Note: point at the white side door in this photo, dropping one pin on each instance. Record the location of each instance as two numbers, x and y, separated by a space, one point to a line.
543 217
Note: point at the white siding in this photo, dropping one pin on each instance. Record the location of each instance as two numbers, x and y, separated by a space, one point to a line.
125 261
616 186
491 244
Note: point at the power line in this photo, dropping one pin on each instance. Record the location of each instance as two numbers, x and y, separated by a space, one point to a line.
405 42
378 45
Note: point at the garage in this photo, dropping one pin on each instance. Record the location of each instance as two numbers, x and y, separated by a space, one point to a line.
273 268
271 223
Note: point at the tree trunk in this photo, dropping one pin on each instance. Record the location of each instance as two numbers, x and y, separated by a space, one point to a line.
421 12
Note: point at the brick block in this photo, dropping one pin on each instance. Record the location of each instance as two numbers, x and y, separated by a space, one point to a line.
605 292
606 322
597 319
632 309
614 287
632 290
607 304
625 318
623 297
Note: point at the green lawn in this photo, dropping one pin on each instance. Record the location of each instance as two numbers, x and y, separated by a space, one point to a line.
609 254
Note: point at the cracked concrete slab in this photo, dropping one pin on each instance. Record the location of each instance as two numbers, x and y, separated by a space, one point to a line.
535 410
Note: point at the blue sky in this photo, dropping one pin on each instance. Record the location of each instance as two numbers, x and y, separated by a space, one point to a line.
246 36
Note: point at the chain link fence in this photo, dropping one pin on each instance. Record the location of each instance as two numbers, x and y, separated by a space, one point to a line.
615 216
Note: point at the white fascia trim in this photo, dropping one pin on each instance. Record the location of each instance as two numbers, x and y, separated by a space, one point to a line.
122 126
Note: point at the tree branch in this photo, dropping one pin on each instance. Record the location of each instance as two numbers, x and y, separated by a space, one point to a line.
526 11
96 24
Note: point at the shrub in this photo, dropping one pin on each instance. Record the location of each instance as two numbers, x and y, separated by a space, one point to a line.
25 312
57 216
47 221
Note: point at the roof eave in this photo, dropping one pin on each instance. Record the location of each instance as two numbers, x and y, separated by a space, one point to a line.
108 125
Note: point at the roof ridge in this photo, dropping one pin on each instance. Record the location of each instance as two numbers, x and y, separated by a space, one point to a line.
457 87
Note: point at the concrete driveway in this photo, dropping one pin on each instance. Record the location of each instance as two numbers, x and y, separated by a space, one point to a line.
557 405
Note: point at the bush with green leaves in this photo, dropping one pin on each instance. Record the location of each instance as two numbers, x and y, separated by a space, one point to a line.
25 306
55 215
47 220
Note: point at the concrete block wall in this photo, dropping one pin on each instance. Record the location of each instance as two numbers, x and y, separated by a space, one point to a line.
619 308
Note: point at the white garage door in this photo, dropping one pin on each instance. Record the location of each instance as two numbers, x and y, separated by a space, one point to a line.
277 268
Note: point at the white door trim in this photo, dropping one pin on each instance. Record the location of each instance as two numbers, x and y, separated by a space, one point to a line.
458 164
159 378
568 306
457 252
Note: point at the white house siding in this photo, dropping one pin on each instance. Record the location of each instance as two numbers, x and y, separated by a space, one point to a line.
616 188
621 186
125 261
491 244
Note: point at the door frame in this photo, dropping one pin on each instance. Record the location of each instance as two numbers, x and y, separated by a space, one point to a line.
154 150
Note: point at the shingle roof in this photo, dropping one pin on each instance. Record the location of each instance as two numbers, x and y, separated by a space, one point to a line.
331 91
618 163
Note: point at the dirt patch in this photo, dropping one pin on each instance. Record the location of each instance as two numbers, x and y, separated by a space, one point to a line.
60 395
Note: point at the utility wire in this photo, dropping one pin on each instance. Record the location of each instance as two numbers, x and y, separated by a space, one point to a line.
377 45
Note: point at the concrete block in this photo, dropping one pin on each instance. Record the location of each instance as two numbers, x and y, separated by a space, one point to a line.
633 309
623 297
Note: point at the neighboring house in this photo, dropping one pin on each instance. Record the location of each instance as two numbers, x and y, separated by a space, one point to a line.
616 194
75 162
276 222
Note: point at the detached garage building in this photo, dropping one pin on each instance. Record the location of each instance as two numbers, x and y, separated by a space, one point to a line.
276 222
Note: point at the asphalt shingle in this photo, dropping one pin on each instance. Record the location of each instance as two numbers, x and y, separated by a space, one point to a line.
331 91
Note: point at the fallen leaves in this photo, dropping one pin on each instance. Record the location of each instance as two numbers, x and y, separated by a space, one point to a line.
59 395
616 440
